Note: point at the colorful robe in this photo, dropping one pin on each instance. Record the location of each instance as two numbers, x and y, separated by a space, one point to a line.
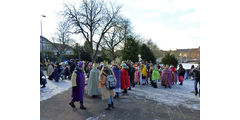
124 79
137 76
78 91
117 74
167 78
93 83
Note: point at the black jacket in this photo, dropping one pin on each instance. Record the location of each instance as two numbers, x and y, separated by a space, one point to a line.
181 72
196 73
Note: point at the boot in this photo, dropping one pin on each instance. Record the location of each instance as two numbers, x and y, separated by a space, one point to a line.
112 105
109 107
125 90
72 104
181 83
116 96
82 106
43 86
196 93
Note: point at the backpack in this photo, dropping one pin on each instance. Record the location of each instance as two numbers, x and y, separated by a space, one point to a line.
110 83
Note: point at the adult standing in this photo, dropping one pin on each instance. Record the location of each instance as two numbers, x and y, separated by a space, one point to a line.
106 93
191 72
144 74
124 78
136 75
131 74
50 71
155 77
196 74
167 77
117 72
72 65
92 89
174 74
78 84
181 73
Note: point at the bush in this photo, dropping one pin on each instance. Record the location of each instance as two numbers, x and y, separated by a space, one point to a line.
170 59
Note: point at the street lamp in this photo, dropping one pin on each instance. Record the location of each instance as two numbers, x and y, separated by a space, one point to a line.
139 57
41 22
41 33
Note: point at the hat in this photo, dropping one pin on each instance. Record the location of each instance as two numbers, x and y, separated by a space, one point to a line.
105 63
80 64
94 64
124 65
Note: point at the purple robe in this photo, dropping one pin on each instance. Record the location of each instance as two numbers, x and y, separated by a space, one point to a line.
78 91
167 74
117 75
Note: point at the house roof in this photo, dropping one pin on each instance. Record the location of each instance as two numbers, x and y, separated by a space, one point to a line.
54 44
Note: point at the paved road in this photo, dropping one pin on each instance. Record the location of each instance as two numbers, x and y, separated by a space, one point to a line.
128 107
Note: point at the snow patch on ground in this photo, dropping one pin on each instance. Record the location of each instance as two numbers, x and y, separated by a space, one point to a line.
188 65
92 118
53 88
177 95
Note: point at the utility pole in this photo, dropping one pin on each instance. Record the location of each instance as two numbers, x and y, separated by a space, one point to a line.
41 33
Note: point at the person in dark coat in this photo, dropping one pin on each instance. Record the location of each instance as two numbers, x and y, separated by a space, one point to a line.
191 72
78 88
196 76
57 72
72 66
43 81
131 72
67 72
181 73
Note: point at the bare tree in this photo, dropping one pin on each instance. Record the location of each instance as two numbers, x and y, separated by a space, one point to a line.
92 19
62 36
114 39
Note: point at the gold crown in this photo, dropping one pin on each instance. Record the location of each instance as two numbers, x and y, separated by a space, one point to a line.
105 63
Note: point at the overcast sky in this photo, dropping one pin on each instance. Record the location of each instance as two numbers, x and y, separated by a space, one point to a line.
171 24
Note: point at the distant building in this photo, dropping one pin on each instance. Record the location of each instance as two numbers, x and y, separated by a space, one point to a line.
46 45
187 55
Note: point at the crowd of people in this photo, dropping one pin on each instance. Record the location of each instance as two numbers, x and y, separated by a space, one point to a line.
111 80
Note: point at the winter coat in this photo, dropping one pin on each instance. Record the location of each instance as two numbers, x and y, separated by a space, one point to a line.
124 79
72 66
167 78
131 73
155 75
181 72
67 71
50 70
196 73
56 74
93 79
106 93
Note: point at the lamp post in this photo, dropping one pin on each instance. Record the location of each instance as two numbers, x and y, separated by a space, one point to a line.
139 57
41 32
41 22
